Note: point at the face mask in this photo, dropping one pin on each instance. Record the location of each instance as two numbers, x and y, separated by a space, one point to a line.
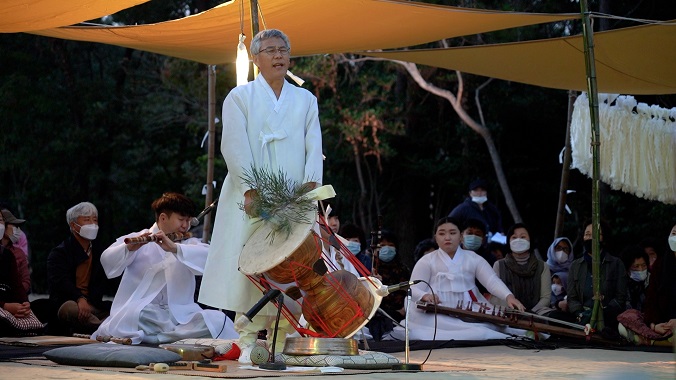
638 275
2 230
471 242
387 253
88 231
557 289
519 245
479 200
561 257
672 243
15 235
353 246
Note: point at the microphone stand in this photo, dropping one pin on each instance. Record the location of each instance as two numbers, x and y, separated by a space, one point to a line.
272 364
407 366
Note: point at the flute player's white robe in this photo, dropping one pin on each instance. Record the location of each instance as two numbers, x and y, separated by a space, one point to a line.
155 302
260 130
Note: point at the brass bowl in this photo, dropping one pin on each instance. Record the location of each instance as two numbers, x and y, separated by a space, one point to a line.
320 346
190 351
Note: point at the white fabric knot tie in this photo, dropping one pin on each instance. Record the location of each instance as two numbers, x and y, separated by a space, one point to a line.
267 138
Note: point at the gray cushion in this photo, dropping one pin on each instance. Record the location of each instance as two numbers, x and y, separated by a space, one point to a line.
110 355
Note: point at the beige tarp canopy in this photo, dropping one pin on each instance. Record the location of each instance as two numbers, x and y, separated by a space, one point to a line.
637 60
26 15
314 27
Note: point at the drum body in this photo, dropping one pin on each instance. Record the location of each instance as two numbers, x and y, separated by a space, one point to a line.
335 304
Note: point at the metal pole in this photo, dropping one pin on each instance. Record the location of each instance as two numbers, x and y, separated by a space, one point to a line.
254 28
592 91
211 149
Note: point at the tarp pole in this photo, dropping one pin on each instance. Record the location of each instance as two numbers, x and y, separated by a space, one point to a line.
211 150
592 91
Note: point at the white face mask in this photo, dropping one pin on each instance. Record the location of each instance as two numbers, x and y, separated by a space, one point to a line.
2 230
16 234
519 245
557 289
561 257
88 231
672 243
638 275
480 200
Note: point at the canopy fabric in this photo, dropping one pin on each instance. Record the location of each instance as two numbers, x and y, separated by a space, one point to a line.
313 26
636 60
27 15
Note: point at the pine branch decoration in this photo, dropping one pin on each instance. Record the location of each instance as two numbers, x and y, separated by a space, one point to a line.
279 200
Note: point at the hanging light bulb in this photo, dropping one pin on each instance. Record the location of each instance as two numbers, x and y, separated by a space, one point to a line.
242 62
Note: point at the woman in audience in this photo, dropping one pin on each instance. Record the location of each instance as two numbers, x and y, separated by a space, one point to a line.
636 264
450 272
559 258
390 270
526 276
657 323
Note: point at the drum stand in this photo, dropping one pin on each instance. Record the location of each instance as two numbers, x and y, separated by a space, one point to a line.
407 366
272 364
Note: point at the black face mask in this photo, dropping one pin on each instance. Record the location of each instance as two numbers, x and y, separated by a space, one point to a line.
587 244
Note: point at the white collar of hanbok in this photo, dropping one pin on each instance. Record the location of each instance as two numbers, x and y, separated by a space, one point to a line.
271 93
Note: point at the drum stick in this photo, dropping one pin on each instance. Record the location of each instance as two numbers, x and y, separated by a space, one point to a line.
174 236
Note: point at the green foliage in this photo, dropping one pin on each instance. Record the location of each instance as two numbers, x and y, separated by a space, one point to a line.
278 201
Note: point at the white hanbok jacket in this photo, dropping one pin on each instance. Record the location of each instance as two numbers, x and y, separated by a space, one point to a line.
260 130
453 280
164 282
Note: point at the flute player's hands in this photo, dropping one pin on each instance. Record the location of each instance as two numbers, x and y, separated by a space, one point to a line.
134 246
165 243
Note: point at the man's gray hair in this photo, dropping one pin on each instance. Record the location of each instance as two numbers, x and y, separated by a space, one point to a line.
81 209
255 47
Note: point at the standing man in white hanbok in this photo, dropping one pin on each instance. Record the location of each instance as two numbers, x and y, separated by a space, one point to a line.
155 302
270 124
451 271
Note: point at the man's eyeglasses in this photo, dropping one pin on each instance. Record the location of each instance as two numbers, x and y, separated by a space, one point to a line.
272 50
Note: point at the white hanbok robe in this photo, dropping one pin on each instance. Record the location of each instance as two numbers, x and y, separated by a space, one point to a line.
453 280
261 130
155 300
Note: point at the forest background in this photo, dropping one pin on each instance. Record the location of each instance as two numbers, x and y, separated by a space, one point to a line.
118 127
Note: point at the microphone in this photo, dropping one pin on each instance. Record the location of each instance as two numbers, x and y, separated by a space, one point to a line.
195 221
385 290
247 318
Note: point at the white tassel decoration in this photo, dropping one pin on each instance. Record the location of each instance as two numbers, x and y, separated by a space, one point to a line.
638 145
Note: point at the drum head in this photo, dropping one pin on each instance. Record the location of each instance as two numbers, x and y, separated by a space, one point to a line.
259 256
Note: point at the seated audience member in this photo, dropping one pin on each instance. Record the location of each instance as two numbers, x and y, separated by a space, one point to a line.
474 239
636 264
559 258
8 240
13 298
75 276
390 269
424 247
18 236
580 283
656 324
451 272
155 300
477 206
497 250
652 248
356 243
526 276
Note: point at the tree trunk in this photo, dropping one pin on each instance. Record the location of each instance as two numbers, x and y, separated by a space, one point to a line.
455 101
